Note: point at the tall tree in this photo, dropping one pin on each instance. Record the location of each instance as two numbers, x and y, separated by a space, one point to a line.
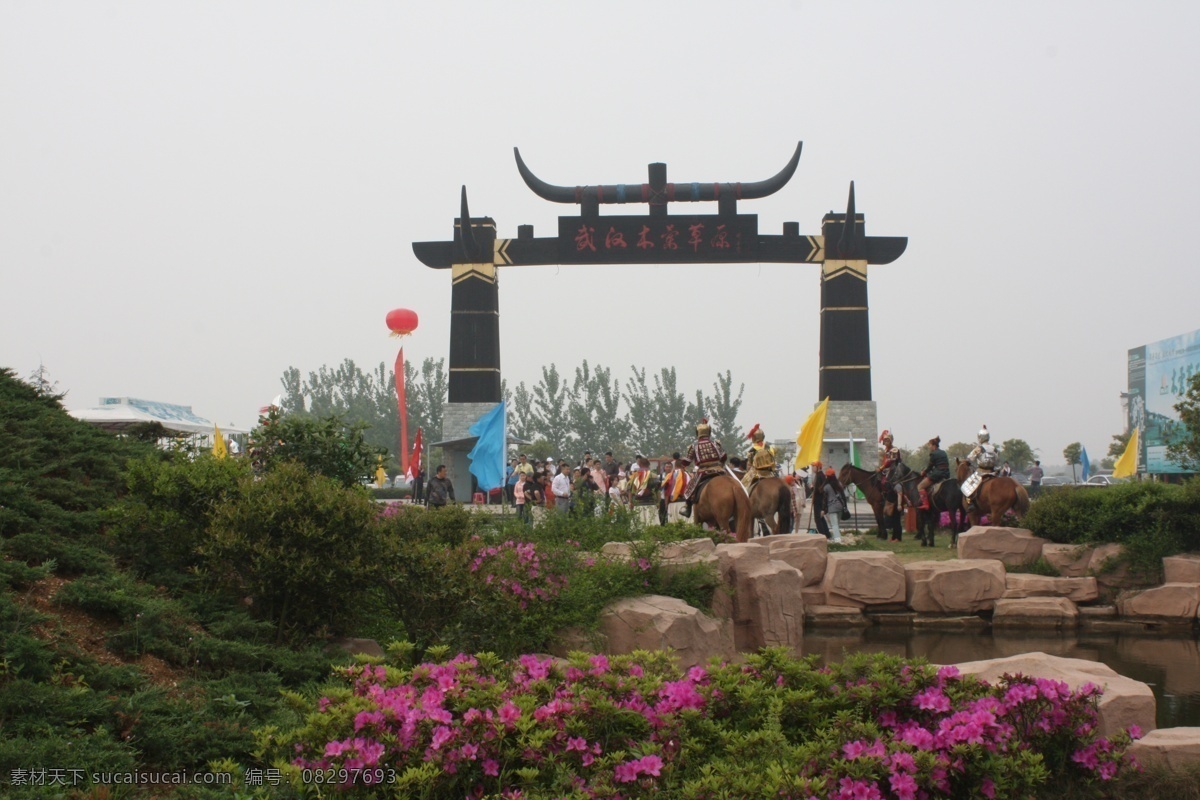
1073 453
723 409
521 421
642 421
673 426
960 450
1018 454
551 412
1185 449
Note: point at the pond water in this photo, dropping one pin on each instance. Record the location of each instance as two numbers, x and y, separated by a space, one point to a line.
1170 665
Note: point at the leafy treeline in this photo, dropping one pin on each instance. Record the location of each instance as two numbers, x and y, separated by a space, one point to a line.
369 398
564 413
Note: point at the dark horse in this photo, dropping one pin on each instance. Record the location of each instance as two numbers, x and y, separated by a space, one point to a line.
947 498
871 485
771 496
996 497
723 504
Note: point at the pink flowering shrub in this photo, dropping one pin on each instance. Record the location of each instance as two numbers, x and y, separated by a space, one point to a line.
630 727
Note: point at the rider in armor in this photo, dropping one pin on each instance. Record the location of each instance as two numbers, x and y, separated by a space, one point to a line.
760 461
984 457
938 470
709 458
889 457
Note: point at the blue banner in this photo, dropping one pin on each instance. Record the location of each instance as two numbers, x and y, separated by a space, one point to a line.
1087 465
487 456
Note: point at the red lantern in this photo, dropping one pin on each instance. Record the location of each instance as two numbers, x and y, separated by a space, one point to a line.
402 321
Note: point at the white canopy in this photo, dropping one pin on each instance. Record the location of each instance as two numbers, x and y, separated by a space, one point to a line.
119 413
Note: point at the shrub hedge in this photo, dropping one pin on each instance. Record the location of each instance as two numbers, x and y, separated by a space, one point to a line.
1151 520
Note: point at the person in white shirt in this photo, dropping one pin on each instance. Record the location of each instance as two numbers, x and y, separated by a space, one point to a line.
561 487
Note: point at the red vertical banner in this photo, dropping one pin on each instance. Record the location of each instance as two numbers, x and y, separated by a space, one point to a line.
402 403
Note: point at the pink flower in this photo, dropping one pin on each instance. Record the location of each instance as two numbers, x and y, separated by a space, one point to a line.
948 673
650 765
904 786
988 788
1135 732
509 713
625 773
577 743
441 735
491 767
931 699
599 665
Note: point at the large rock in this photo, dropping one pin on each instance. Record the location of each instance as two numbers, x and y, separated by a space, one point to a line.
1176 749
672 556
1125 701
1176 602
1035 612
964 586
806 552
654 622
863 578
1181 569
766 603
1071 560
1013 546
840 617
1079 590
1111 570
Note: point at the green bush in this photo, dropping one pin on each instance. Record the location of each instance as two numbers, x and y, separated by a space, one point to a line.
1150 520
301 547
160 525
70 557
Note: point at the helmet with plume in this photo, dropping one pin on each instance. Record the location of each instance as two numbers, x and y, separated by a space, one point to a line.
984 436
703 428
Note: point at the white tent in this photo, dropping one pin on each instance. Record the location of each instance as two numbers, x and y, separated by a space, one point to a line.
120 413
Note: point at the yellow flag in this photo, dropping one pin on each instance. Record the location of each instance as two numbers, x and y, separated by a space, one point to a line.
218 443
1126 465
812 436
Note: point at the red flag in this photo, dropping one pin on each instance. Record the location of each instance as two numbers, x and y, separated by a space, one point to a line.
402 404
414 461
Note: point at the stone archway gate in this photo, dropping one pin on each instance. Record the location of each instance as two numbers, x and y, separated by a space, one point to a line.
475 253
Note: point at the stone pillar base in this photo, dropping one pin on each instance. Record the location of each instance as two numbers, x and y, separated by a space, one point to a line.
456 419
846 419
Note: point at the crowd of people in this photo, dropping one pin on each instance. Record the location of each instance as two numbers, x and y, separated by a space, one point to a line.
597 484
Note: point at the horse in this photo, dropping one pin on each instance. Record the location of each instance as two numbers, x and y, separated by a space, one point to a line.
948 498
771 496
871 487
723 504
995 497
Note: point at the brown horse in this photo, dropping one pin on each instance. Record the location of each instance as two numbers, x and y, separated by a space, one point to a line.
723 504
996 497
869 484
771 496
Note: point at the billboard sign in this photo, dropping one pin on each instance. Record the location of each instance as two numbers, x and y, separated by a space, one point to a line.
1158 379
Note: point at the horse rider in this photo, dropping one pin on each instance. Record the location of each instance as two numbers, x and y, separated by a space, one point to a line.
889 457
984 458
760 461
709 458
937 471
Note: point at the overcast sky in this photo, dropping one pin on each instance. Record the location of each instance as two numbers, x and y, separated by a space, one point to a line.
196 196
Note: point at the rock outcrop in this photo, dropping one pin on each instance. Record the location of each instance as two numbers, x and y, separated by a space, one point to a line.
1013 546
1035 612
1175 602
1177 749
1125 701
1181 569
944 587
1078 590
766 603
806 552
863 579
654 622
1071 560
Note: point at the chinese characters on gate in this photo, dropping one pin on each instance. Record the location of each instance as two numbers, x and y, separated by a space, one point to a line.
656 239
